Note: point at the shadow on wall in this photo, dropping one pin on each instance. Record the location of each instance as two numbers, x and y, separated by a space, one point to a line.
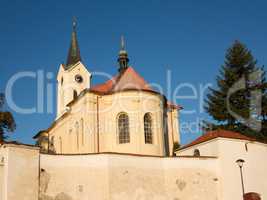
60 196
44 181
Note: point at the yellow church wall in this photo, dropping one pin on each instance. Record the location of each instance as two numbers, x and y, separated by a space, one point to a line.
135 104
173 129
75 132
90 126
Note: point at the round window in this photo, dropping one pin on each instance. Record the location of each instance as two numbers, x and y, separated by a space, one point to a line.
78 78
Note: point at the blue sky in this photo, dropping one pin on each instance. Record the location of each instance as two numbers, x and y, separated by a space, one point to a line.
189 38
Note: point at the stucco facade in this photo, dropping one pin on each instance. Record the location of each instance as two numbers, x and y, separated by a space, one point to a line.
214 175
114 176
19 171
228 151
87 119
90 126
67 85
105 176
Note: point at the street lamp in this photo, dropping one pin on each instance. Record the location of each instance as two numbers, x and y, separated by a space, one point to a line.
240 163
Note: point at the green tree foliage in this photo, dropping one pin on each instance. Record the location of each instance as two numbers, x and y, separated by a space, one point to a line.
239 103
7 123
176 147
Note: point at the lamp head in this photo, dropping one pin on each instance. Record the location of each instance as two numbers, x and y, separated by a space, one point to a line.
240 162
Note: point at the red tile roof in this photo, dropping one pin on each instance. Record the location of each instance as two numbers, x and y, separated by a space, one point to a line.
129 79
105 87
218 133
175 106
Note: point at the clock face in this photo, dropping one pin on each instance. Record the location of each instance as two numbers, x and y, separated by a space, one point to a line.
78 78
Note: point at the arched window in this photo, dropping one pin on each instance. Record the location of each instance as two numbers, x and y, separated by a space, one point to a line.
52 141
148 128
52 145
196 152
75 94
123 128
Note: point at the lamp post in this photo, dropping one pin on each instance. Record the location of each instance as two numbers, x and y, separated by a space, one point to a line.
240 163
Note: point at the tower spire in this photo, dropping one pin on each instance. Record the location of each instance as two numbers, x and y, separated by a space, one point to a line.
74 51
123 59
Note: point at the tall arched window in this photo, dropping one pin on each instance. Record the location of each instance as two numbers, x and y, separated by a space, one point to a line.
52 140
123 128
148 128
52 145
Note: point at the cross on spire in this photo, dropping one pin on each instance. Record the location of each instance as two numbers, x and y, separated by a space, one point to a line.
122 43
74 23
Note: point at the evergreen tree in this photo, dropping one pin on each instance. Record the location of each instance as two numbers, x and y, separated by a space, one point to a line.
239 103
7 123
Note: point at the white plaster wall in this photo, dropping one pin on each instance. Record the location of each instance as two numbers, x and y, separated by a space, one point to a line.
191 178
3 173
173 128
228 151
254 170
65 90
209 148
1 182
75 177
120 177
21 172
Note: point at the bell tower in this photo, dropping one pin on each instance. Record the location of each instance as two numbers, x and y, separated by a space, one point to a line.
73 77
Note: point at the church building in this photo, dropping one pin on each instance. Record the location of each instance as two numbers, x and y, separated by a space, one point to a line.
123 115
118 141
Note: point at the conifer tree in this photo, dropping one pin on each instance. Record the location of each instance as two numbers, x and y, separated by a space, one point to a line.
239 103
